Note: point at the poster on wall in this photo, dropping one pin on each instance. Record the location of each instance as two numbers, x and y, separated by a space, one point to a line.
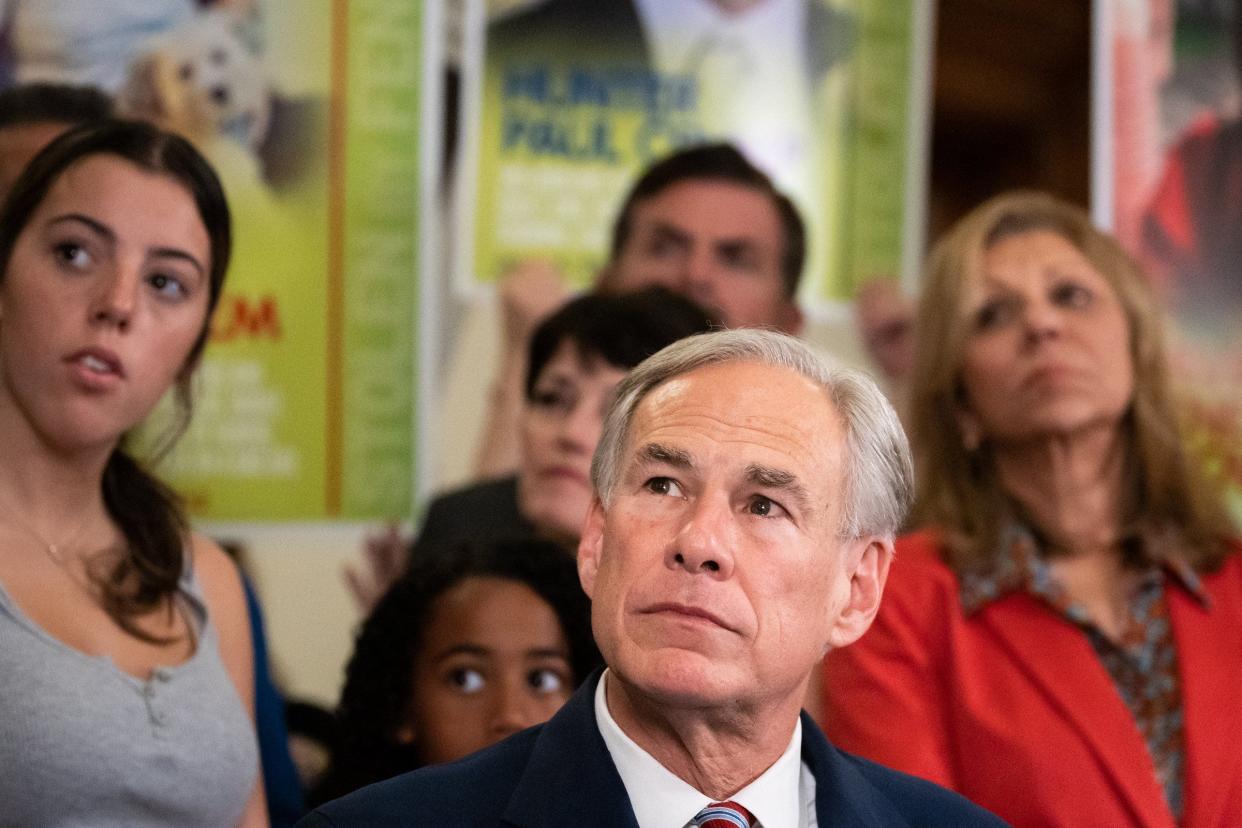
1170 185
571 99
310 113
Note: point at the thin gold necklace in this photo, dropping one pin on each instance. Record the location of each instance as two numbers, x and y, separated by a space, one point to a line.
55 551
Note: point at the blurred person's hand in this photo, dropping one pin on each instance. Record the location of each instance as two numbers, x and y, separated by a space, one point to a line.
530 291
384 558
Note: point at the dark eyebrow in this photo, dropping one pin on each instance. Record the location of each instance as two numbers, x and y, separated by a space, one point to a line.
742 245
99 227
672 231
107 232
483 652
656 453
781 480
463 649
546 653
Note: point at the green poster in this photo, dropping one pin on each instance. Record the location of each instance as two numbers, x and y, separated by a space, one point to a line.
575 98
305 402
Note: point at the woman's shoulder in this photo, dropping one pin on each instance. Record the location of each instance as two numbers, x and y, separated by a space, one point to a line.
1227 577
214 571
221 584
919 570
218 581
923 550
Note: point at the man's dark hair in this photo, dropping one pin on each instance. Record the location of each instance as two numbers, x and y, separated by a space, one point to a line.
717 162
621 330
33 103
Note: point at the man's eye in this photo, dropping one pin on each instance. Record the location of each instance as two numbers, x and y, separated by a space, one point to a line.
467 680
741 257
664 486
765 507
546 680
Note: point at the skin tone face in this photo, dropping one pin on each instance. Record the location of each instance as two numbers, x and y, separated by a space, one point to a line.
716 574
559 427
104 296
494 661
1049 350
718 243
20 143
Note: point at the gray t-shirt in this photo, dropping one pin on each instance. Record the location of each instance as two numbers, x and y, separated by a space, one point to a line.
84 743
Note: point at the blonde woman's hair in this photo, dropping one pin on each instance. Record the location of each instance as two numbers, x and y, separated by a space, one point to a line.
958 489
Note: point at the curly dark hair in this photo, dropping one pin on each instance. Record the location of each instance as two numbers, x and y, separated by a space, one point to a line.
379 680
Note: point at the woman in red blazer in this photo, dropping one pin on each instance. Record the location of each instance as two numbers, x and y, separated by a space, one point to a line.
1065 646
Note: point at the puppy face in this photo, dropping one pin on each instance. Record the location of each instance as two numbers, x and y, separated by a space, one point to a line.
201 77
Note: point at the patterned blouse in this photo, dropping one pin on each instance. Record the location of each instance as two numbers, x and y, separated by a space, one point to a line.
1143 664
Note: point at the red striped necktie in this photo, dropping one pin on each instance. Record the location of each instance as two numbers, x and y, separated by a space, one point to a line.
723 815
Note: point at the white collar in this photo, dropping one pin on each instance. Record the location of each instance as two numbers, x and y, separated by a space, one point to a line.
661 799
673 27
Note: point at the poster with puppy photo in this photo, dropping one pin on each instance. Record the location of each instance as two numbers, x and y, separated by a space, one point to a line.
310 112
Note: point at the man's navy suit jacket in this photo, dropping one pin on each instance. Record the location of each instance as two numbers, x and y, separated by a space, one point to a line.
561 774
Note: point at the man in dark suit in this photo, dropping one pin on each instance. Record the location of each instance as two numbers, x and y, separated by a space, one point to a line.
746 497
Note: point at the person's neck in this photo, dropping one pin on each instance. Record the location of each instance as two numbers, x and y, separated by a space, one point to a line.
47 491
717 752
1070 486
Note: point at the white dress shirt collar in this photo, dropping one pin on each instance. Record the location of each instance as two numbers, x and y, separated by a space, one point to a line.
672 27
661 799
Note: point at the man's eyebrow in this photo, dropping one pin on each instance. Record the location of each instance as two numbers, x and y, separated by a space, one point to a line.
665 455
672 231
781 480
738 245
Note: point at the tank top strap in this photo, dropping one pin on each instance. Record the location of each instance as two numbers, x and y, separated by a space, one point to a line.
190 591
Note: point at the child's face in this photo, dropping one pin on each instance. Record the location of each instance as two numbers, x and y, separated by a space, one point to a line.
494 661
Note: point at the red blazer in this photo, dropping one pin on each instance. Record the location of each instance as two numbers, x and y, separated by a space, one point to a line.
1012 708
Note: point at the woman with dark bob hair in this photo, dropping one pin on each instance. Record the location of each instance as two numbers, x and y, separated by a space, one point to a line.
1062 642
464 650
126 682
576 358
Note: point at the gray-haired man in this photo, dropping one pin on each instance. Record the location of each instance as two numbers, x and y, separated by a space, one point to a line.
746 501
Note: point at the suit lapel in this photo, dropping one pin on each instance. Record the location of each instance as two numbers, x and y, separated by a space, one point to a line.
842 796
1209 656
570 778
1060 662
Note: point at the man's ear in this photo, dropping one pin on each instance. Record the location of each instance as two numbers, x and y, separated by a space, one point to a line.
590 547
790 318
866 584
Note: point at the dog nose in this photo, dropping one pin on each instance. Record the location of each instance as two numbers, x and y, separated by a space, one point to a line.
220 94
